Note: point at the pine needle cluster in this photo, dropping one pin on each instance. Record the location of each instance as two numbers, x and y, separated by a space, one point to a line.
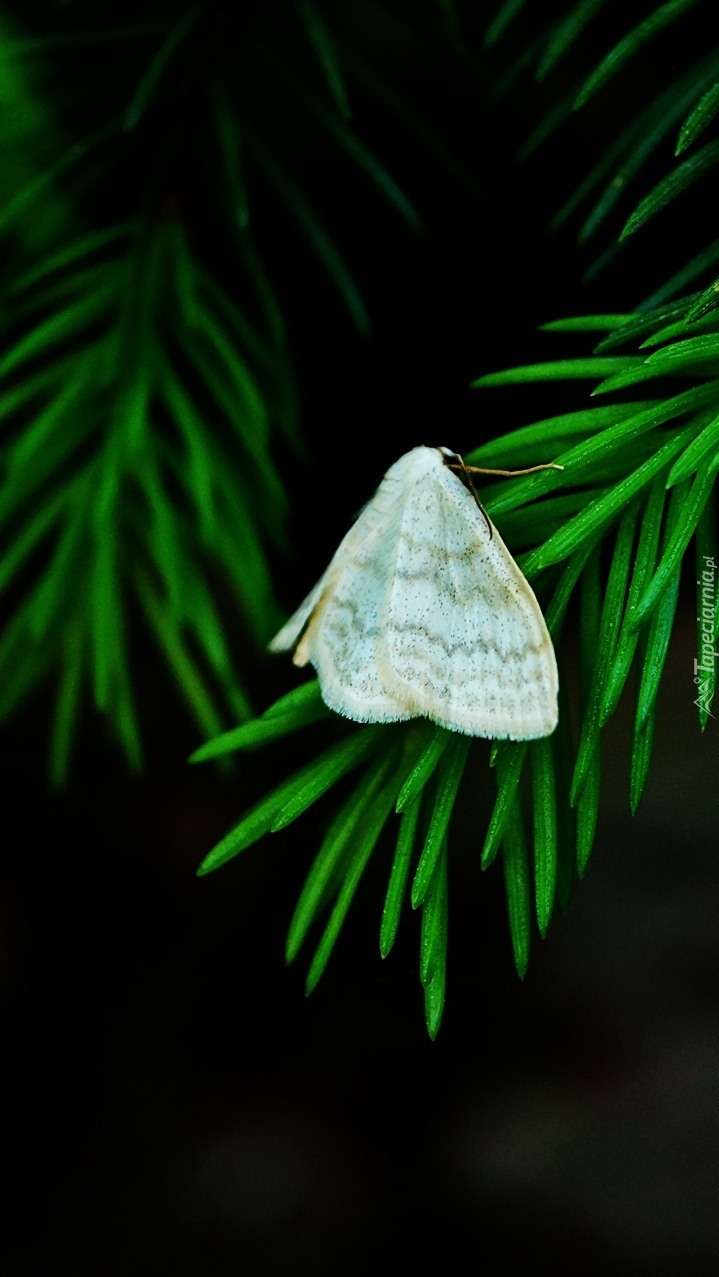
142 391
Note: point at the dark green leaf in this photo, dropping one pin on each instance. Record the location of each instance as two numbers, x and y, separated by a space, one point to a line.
646 135
695 453
433 938
601 512
690 352
561 742
673 553
555 116
587 804
660 630
698 119
69 255
30 192
336 764
566 33
424 768
153 74
449 774
644 561
434 996
539 520
630 44
337 843
545 830
586 456
42 339
125 720
587 324
399 875
187 676
674 184
107 616
34 531
554 614
682 328
361 155
501 20
326 52
258 820
53 592
654 646
510 757
516 882
641 758
643 324
22 664
230 149
318 236
637 376
364 842
588 812
561 369
686 275
706 303
606 642
273 724
526 442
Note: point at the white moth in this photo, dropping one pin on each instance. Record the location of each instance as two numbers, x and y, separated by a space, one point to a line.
424 613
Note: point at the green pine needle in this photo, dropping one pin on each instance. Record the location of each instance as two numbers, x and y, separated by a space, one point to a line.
449 775
364 842
516 880
399 876
501 20
630 45
296 710
587 813
424 767
606 642
545 830
641 758
706 441
699 118
566 33
644 561
343 758
433 945
509 763
561 369
676 182
327 55
686 522
332 853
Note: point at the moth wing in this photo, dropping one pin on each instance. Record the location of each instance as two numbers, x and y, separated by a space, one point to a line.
291 630
346 611
465 643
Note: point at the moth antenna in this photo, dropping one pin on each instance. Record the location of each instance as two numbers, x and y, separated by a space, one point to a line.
466 472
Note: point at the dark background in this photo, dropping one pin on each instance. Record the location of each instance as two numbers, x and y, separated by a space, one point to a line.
173 1103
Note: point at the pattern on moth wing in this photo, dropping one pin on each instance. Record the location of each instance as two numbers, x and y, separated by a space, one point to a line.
423 612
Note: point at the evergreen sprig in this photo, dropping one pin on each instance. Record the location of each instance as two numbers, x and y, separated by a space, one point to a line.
611 530
124 478
145 370
681 104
